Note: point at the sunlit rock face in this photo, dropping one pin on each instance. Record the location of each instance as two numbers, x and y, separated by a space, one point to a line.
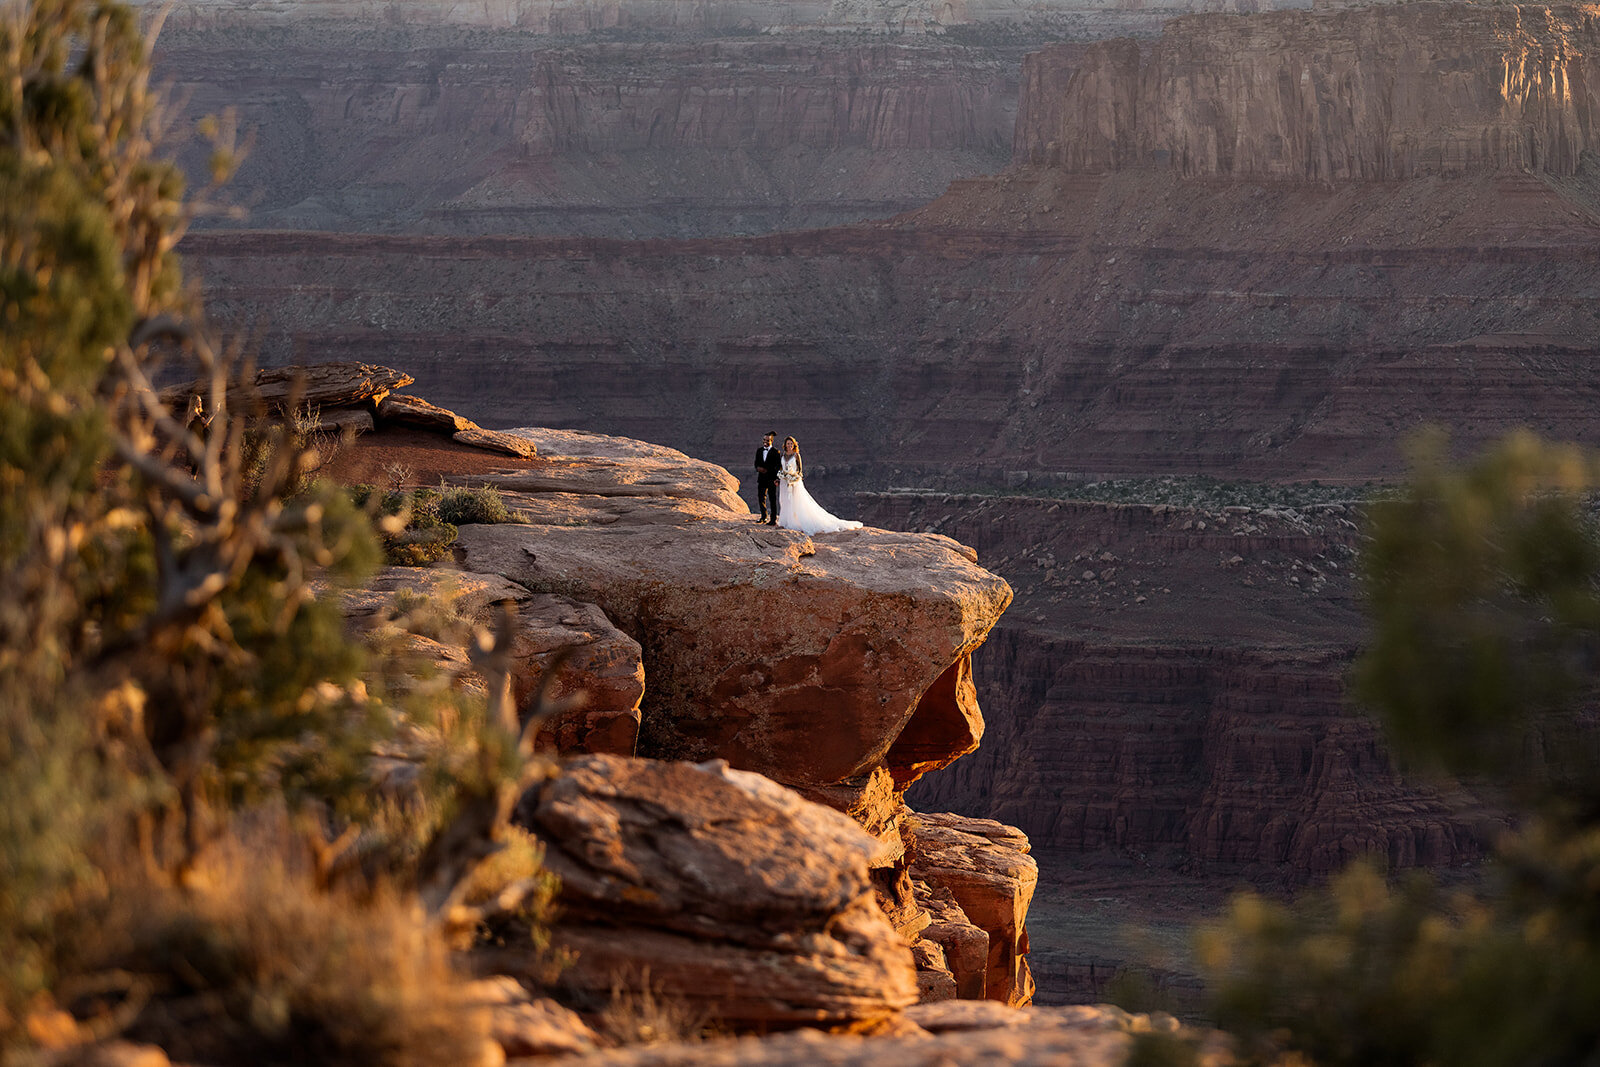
1372 94
753 906
807 659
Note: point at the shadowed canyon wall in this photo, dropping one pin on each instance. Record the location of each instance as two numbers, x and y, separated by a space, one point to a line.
456 130
1042 322
1241 320
1172 679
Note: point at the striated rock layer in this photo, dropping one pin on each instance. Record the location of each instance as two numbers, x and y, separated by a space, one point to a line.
442 128
1376 93
752 906
1173 679
1045 322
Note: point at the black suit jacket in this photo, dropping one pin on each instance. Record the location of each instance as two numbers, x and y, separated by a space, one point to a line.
767 469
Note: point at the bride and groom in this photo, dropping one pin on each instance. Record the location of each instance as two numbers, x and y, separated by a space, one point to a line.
780 483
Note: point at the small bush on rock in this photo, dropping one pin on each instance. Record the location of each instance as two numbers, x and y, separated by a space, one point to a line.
461 505
409 520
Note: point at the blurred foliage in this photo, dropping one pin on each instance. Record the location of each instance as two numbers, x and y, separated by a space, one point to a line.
268 968
1484 588
172 654
414 534
83 218
1484 592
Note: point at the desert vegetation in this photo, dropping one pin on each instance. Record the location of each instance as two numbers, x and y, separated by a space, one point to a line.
191 847
1484 590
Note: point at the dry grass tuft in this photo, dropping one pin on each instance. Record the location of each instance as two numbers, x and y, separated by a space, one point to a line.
640 1013
256 966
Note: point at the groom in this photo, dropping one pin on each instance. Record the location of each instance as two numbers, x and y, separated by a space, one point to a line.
767 461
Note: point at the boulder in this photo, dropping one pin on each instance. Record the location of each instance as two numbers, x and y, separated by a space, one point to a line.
965 947
802 658
316 385
525 1025
603 664
987 870
414 411
603 671
717 888
496 441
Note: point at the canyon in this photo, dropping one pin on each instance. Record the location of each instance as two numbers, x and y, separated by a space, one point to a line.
1257 249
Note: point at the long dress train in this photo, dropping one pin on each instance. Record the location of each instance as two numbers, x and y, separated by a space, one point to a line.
796 508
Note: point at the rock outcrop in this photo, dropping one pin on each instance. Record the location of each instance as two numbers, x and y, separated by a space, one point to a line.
316 385
839 664
1378 93
802 658
439 609
986 868
751 905
953 1032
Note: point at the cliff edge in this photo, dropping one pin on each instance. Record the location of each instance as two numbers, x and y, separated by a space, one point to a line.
1373 93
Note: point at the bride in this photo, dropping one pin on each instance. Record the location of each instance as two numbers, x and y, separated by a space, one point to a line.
796 509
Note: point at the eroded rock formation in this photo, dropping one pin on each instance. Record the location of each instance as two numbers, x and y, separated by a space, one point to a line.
750 904
986 868
802 658
601 662
1376 94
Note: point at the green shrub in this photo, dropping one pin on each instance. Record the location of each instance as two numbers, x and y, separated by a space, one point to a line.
461 505
413 531
1484 585
165 661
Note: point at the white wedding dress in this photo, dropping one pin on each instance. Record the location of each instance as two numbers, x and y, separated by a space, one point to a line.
796 509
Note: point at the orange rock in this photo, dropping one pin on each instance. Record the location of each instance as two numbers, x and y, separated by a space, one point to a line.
718 889
603 664
965 947
414 411
985 866
802 658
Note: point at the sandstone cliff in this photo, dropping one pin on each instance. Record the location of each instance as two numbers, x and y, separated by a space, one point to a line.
1376 94
838 664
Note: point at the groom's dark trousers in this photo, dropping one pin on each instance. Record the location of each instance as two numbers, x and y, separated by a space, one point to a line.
767 461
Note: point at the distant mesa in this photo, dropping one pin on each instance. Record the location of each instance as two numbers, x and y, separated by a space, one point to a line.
1375 93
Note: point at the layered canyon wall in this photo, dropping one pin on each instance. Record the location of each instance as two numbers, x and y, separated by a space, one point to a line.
453 130
1374 94
1172 680
571 17
1044 323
